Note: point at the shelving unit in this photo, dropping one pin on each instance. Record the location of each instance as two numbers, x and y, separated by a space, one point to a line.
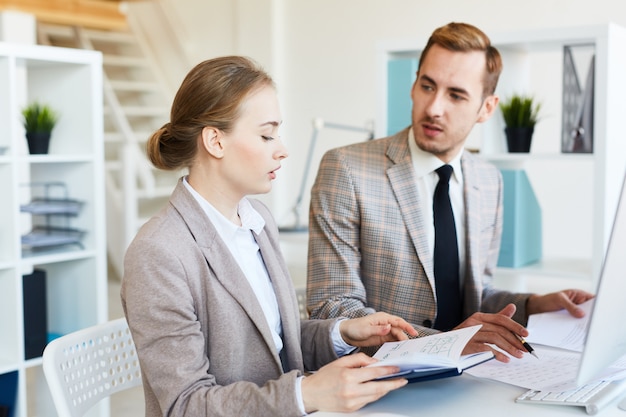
70 81
578 193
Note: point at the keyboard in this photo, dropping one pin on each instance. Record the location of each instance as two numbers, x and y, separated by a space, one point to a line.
592 396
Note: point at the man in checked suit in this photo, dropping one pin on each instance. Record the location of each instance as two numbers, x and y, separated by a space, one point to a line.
371 233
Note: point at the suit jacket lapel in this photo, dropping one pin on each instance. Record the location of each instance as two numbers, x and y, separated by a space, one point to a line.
402 179
473 286
281 282
221 262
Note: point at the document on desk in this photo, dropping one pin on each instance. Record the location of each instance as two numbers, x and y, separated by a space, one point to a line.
558 340
559 328
556 370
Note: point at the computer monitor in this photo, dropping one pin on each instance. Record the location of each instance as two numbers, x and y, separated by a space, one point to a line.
606 335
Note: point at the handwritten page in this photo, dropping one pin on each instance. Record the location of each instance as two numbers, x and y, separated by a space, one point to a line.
438 349
559 328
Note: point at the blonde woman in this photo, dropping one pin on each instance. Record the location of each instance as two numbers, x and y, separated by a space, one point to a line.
206 291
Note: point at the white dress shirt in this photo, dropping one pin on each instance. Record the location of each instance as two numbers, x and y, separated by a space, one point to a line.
242 245
425 165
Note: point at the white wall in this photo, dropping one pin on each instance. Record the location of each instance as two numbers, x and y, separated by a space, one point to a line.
331 67
322 53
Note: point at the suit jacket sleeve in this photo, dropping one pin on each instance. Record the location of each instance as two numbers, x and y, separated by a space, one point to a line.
334 285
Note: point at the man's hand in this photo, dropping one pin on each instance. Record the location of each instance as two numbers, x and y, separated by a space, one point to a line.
566 299
497 329
375 329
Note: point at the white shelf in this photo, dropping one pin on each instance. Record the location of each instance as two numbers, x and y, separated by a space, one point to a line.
519 161
60 254
550 157
55 159
554 267
70 80
549 275
6 265
578 193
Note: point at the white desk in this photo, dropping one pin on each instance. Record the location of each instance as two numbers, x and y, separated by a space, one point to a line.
468 396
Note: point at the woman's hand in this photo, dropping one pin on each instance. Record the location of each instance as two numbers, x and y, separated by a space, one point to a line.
346 384
375 329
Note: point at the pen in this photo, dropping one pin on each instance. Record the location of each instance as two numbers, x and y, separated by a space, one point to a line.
528 347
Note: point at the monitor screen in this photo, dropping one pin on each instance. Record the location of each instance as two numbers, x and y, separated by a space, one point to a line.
606 336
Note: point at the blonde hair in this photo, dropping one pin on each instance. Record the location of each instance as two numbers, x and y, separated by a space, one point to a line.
210 95
463 37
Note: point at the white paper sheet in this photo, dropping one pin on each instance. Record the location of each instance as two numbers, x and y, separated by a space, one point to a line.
555 370
558 340
559 328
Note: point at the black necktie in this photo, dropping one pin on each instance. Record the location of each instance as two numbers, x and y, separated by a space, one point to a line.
446 259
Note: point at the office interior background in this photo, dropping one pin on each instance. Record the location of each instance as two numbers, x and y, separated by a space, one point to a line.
325 58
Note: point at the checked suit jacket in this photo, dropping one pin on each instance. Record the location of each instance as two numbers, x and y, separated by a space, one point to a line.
368 249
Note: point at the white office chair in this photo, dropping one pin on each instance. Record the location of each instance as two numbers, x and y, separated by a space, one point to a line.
301 294
84 367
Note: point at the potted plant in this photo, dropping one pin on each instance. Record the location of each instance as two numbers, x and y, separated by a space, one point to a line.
38 120
520 113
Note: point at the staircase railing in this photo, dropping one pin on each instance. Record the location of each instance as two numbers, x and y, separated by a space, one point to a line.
172 47
132 184
135 169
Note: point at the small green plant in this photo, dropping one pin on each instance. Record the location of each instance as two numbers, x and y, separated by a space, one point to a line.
39 118
520 111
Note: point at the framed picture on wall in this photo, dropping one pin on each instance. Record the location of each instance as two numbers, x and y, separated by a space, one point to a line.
578 107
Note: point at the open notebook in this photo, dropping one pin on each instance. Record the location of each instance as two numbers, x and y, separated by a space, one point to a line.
431 357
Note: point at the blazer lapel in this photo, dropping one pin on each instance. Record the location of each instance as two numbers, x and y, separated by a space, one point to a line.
287 304
402 179
473 286
221 262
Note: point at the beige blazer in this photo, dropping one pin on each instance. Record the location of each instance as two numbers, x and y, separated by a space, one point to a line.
368 250
203 343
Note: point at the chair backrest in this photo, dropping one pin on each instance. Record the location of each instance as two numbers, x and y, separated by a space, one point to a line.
301 295
84 367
